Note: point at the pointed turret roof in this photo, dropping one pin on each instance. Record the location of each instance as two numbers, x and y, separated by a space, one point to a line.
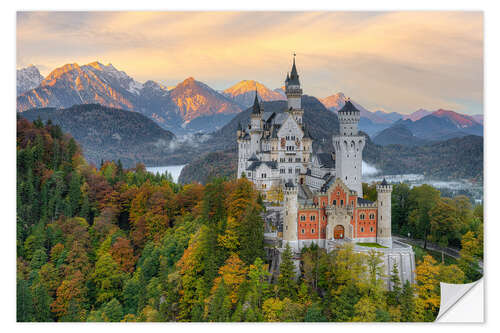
256 105
384 182
294 76
348 107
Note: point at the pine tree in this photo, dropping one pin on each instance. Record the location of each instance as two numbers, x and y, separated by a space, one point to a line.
220 305
112 311
24 302
41 301
74 194
287 286
394 294
407 303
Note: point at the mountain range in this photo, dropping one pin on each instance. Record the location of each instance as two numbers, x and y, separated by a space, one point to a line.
436 126
192 106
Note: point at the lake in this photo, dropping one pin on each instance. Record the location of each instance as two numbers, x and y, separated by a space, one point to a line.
174 170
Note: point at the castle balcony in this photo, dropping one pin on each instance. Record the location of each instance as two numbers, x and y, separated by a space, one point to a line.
337 210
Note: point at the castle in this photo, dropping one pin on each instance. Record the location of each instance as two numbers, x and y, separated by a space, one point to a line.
322 192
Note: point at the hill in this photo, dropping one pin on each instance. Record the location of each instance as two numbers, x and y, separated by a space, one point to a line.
210 165
111 134
456 158
398 133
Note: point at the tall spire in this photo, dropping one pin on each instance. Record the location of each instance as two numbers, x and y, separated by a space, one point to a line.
294 77
256 104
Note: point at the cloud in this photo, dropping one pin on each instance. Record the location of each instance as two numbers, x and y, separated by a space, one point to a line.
396 61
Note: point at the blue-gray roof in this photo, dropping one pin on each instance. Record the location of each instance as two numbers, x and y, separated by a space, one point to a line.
255 165
326 160
348 107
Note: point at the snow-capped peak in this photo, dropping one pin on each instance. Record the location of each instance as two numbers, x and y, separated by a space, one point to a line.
28 78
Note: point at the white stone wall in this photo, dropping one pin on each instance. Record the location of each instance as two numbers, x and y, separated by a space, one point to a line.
349 157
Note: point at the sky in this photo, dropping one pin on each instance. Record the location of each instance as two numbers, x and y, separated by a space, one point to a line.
391 61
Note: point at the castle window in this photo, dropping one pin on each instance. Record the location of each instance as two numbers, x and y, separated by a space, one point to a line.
335 202
341 203
362 229
371 229
303 231
313 218
372 216
362 216
323 217
282 170
290 170
297 170
312 231
290 159
302 217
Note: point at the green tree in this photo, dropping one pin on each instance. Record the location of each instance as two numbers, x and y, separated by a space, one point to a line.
112 311
41 301
407 303
423 198
108 278
394 294
220 305
287 285
24 301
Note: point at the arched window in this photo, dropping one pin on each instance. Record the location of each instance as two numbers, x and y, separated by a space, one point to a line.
302 217
335 202
371 229
303 231
362 216
313 218
312 231
362 229
372 216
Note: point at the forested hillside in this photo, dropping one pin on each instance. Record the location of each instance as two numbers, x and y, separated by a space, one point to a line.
117 244
114 134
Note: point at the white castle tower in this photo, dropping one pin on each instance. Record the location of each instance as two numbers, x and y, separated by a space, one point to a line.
294 94
255 126
384 233
290 234
348 147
